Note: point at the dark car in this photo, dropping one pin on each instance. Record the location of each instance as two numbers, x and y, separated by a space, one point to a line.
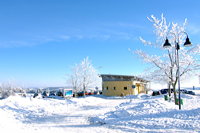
183 91
164 91
60 94
100 92
35 95
52 93
155 93
95 92
190 92
81 93
44 94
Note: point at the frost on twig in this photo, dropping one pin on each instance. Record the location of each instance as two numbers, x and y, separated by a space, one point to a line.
164 67
84 75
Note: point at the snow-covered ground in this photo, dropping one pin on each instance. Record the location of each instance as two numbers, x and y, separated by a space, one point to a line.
99 114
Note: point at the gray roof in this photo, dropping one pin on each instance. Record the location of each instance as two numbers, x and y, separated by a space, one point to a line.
111 77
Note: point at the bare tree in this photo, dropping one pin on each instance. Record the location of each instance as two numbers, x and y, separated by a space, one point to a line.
164 66
84 75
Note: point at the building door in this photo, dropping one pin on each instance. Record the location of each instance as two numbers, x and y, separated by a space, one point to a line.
137 89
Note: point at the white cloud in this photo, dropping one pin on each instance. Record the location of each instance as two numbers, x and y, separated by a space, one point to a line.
79 36
65 37
38 40
15 43
99 31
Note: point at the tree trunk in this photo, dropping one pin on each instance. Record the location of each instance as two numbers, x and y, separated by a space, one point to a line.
169 89
83 90
174 89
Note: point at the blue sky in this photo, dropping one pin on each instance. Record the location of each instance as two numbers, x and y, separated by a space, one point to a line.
40 40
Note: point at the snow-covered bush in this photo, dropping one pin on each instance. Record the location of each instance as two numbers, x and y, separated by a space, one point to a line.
6 90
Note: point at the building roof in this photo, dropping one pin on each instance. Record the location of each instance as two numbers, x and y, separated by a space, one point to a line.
111 77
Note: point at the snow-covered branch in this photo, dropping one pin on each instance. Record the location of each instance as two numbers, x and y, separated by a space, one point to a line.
84 75
165 67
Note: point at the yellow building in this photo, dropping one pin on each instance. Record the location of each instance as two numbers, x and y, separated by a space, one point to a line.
122 85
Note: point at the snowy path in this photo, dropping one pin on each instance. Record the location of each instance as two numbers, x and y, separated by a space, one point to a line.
38 115
77 120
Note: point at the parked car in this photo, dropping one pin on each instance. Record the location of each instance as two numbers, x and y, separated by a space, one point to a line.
86 93
81 93
155 93
100 92
183 91
190 92
52 93
59 93
164 91
90 93
44 94
95 92
35 95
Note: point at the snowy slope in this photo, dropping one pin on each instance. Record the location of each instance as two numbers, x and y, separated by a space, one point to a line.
99 114
154 115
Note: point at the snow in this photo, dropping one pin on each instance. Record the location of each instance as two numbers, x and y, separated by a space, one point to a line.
154 115
99 114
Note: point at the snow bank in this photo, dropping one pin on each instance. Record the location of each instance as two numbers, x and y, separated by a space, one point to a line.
52 115
153 114
22 111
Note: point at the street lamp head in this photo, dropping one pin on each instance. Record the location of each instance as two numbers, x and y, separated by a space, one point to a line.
187 42
166 44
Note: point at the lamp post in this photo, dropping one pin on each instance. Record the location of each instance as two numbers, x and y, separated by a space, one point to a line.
177 46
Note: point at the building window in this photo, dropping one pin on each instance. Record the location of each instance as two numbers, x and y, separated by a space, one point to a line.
107 87
114 88
125 88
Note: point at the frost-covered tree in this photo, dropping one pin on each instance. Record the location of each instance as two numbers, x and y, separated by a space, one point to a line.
84 75
164 67
74 78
